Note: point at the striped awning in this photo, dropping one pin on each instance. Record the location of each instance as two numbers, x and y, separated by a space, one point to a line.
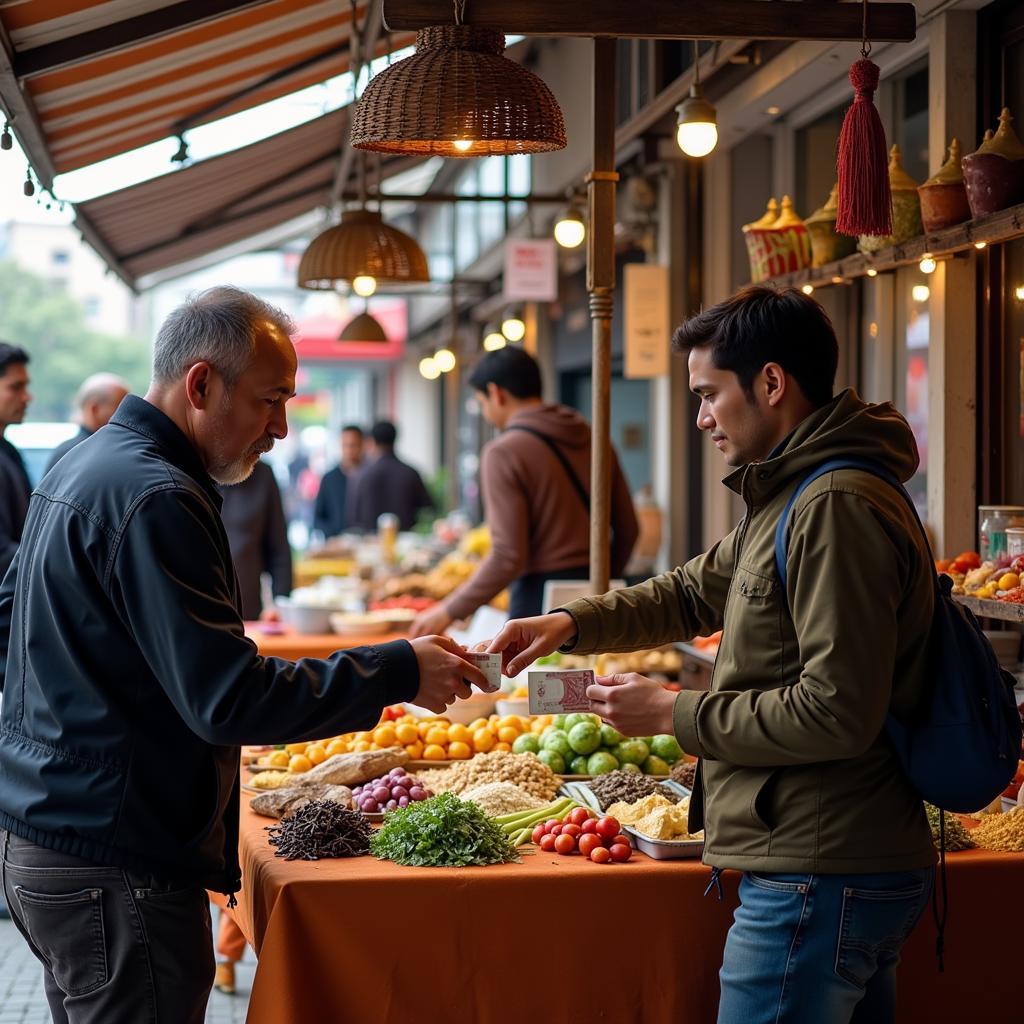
153 230
89 79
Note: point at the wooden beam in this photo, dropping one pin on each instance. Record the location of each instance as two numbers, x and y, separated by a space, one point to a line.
21 112
667 19
121 34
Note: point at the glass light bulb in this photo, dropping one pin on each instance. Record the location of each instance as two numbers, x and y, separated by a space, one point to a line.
429 369
494 341
807 289
920 292
697 138
444 360
570 232
1018 293
364 285
927 265
872 272
463 145
980 245
513 328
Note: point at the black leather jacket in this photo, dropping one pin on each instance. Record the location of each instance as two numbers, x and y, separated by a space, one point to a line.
128 680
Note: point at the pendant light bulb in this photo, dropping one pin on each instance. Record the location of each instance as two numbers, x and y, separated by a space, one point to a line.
697 124
429 369
927 264
444 360
494 340
570 229
920 292
364 285
513 327
463 145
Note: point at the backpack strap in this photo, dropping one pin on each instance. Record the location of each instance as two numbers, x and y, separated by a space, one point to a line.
560 455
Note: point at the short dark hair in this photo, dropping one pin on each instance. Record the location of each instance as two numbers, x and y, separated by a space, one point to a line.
510 368
761 325
11 355
384 434
353 427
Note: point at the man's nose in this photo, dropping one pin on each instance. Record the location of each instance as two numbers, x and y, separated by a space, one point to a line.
278 427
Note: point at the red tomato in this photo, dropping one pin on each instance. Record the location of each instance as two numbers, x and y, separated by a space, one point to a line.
564 844
571 830
620 838
608 827
551 823
547 843
555 830
966 561
589 843
620 853
578 815
538 834
599 855
1017 565
590 825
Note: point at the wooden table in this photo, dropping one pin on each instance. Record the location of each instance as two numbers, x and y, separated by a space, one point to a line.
561 939
284 642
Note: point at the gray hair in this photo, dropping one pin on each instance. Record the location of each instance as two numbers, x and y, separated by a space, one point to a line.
100 387
216 326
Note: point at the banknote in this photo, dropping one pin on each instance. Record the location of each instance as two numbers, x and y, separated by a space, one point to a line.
490 665
558 692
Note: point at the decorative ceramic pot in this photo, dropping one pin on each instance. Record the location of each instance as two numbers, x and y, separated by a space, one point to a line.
906 208
826 244
944 196
769 217
994 172
780 247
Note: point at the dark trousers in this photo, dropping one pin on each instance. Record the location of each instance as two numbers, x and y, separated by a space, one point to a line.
526 594
116 947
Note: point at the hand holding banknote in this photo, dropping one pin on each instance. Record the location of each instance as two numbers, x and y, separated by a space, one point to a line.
522 641
633 704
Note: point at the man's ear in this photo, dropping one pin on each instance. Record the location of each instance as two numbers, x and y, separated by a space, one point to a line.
774 378
197 385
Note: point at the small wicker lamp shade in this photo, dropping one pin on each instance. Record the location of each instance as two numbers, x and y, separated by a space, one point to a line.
457 96
362 244
363 328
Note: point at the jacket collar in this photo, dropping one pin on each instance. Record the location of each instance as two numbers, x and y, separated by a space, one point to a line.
144 418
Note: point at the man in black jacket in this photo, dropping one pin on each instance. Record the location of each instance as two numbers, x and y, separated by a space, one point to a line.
96 401
14 483
129 682
329 513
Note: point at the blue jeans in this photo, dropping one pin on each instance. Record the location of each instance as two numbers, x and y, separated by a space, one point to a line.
819 949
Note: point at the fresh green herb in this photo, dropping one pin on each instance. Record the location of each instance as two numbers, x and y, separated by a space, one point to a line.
957 837
443 832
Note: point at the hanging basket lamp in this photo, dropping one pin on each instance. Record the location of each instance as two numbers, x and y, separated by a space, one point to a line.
362 246
458 96
363 328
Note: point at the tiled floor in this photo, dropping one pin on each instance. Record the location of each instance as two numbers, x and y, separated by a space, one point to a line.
21 986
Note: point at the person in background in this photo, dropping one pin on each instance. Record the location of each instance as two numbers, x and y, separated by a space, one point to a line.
124 652
798 786
96 401
258 537
535 479
385 484
329 512
14 483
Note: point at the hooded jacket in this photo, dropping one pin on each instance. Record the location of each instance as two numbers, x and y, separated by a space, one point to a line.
536 517
797 774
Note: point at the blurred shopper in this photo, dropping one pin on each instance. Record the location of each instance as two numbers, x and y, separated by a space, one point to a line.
97 400
798 786
535 479
329 513
385 484
14 483
123 636
258 537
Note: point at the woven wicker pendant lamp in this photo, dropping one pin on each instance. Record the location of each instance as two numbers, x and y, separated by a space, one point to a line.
363 327
458 96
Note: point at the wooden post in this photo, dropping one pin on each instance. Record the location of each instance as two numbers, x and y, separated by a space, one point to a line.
601 285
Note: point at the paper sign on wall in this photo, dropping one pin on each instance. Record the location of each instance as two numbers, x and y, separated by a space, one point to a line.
531 270
647 321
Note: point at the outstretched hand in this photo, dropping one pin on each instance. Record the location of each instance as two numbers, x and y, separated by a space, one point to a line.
522 641
445 675
633 704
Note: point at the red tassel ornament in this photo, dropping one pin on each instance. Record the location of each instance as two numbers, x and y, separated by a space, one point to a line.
865 200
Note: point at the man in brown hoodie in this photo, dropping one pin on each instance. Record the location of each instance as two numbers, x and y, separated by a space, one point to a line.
535 479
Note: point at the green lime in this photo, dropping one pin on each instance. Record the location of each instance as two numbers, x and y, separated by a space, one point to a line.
655 766
601 763
528 743
628 766
578 766
610 737
558 742
553 760
632 751
584 737
667 748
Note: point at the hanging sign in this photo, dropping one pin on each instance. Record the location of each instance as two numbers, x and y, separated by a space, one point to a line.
531 270
647 319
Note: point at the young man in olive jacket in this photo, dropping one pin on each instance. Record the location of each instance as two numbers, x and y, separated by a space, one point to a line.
129 682
798 786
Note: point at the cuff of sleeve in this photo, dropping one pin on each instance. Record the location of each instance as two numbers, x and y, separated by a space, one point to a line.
400 670
684 721
587 631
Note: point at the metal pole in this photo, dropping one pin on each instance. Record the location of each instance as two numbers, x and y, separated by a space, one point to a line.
601 285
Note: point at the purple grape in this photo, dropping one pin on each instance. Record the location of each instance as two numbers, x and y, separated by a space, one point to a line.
403 801
417 793
399 791
381 794
369 805
391 805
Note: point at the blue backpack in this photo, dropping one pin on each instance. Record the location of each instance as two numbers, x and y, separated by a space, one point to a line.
962 749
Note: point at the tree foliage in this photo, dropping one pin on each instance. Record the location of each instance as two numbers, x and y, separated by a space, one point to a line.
51 326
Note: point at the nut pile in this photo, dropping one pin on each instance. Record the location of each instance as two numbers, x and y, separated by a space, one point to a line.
684 773
1001 832
497 798
957 837
625 787
526 771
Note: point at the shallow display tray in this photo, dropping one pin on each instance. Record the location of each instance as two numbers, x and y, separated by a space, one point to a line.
1005 611
577 789
664 849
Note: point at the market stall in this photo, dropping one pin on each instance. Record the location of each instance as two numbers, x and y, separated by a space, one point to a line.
274 641
559 938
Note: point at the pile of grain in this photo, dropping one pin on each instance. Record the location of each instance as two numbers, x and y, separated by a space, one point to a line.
683 772
1001 832
526 771
497 798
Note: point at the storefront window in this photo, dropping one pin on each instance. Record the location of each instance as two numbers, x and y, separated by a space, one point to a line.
1013 375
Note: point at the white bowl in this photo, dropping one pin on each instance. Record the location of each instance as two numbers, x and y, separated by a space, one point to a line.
480 705
356 624
510 706
304 619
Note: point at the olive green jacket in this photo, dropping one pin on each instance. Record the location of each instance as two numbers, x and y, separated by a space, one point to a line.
797 774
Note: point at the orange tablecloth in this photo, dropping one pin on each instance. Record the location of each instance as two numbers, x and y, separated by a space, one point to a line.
560 939
292 646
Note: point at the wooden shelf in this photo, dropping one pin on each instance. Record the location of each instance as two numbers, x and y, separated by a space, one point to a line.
1001 610
1001 226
